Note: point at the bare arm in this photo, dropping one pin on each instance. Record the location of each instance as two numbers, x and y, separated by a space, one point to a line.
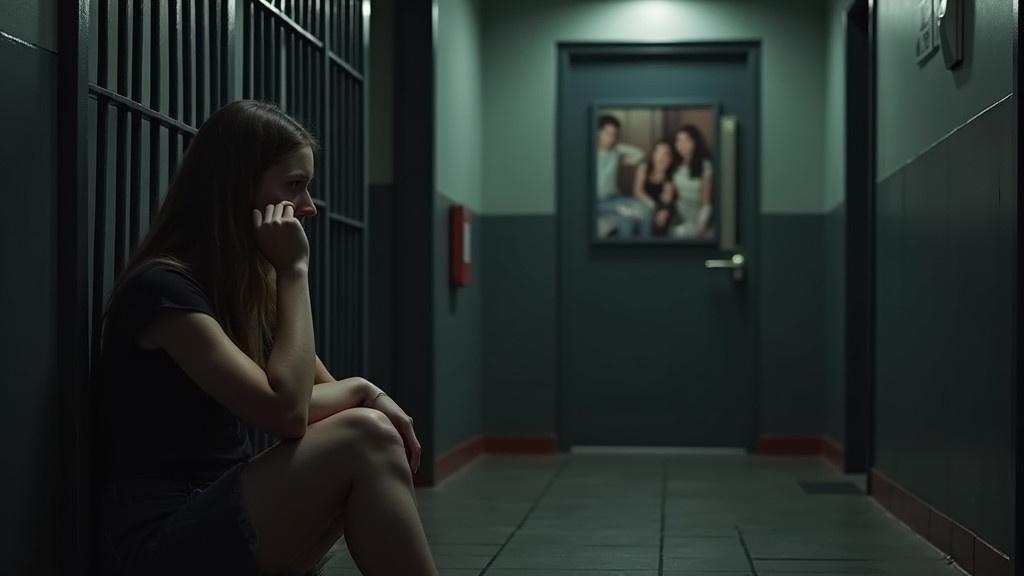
329 398
290 367
322 375
199 345
630 154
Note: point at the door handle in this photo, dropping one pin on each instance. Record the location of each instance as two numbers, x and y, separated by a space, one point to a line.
737 264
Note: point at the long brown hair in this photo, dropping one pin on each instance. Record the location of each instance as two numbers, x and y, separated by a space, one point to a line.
204 228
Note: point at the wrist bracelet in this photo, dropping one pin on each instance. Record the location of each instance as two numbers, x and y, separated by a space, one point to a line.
379 394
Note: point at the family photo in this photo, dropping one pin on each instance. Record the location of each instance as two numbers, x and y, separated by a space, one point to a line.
655 174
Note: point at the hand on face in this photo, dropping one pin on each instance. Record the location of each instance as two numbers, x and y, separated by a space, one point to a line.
280 237
281 203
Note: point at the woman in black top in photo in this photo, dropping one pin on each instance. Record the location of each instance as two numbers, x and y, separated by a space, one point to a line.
210 327
653 185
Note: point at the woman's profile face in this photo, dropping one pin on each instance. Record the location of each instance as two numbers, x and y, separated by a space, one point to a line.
288 180
684 144
662 156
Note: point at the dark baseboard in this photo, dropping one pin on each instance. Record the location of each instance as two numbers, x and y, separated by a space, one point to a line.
539 444
824 446
971 553
451 461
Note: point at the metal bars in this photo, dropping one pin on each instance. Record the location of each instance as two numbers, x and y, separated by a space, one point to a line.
307 56
161 67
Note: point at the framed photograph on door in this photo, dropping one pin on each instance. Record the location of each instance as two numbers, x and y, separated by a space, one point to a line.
654 172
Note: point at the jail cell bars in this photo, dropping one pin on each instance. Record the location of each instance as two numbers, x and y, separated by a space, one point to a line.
156 70
307 56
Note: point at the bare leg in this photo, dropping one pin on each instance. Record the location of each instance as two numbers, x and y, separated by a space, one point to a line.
298 492
385 535
308 559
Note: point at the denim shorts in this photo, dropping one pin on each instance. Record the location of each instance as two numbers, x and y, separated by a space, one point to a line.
164 528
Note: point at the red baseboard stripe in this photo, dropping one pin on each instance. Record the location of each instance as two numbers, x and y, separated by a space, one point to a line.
464 453
458 457
824 446
969 551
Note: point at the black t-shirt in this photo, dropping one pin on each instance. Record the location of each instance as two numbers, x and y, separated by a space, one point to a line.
155 421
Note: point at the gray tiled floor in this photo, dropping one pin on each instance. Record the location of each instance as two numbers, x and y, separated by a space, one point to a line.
648 515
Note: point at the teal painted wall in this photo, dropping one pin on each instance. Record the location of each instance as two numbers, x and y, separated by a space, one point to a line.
834 317
919 105
28 245
457 312
34 21
458 367
834 225
520 325
945 230
520 86
459 102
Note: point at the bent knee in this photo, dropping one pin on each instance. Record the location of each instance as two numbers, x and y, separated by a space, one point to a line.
364 427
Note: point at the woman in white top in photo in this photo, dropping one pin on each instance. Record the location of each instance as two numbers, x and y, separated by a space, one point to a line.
692 181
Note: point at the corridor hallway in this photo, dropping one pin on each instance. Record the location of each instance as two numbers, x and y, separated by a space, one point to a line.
583 514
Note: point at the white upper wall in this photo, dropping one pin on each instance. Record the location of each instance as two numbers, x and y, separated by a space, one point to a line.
835 106
458 102
918 105
520 75
33 21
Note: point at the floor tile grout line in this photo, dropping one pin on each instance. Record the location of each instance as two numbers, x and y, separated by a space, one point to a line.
526 516
746 551
664 504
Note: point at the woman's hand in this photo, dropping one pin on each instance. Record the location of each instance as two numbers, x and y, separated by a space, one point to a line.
402 423
280 237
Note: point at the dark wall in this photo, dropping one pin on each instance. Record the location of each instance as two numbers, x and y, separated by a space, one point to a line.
457 332
945 328
381 295
520 325
28 256
834 310
792 367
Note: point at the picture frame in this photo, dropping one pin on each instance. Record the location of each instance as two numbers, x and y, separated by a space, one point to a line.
655 200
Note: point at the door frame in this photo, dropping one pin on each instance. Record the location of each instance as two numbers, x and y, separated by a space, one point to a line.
567 54
858 381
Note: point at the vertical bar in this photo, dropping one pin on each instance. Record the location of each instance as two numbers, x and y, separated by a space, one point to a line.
100 218
279 38
257 52
268 31
135 152
201 32
122 49
214 60
226 90
290 74
360 44
174 21
120 211
349 126
102 66
306 85
247 48
186 61
154 103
